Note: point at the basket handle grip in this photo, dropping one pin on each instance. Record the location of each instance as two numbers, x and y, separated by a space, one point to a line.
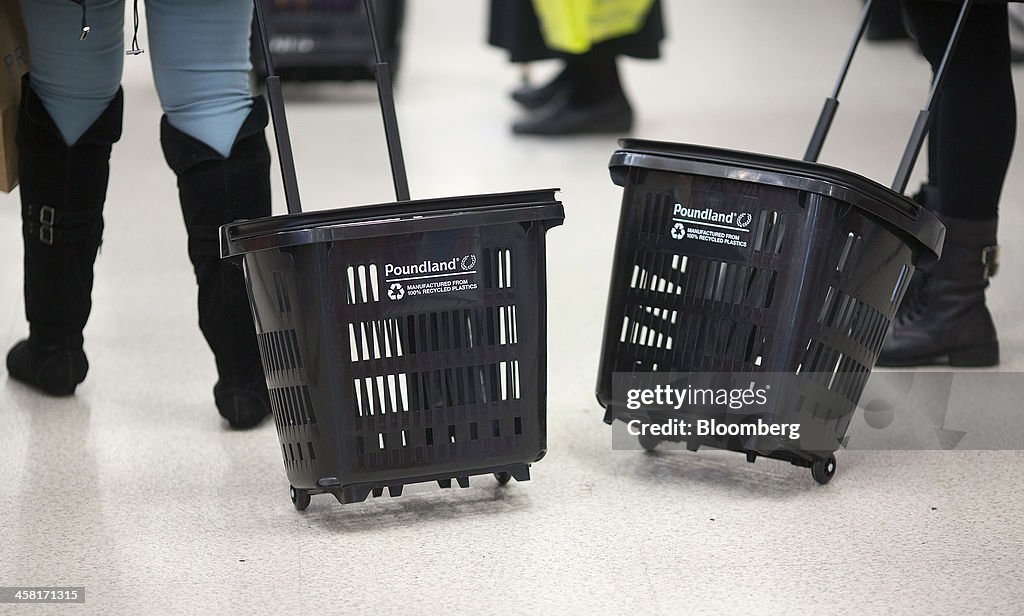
386 97
281 135
924 118
828 111
923 122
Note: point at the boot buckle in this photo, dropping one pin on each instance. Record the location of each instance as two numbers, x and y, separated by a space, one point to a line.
990 260
47 216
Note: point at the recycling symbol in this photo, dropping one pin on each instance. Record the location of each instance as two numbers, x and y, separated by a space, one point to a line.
678 231
396 292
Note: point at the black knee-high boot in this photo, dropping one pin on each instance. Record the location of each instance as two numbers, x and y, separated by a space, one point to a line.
62 193
215 190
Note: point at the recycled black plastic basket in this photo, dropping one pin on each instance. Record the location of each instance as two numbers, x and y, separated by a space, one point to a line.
373 386
402 342
825 260
744 264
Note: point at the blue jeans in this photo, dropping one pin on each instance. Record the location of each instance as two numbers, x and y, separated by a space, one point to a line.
199 51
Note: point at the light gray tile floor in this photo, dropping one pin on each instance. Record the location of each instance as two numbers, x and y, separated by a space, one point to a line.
134 490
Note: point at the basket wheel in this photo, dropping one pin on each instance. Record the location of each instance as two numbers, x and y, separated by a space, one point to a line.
824 469
648 442
300 498
503 478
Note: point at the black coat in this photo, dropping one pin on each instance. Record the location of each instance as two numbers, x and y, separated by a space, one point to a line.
514 26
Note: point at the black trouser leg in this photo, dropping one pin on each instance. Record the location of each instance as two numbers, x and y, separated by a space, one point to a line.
594 77
972 136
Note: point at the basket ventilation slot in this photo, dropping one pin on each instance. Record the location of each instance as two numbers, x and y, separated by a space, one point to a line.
450 434
833 370
711 342
854 319
297 453
771 232
378 339
901 285
279 351
499 269
292 406
284 303
363 285
699 280
657 214
436 389
433 332
695 342
851 250
652 327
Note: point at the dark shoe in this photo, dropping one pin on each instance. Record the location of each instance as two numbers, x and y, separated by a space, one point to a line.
534 98
566 117
943 319
62 193
243 407
53 370
215 190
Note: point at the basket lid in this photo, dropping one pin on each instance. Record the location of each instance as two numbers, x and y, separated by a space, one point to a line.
909 218
382 219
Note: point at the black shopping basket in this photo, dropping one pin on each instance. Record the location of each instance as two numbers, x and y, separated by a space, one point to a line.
403 342
744 265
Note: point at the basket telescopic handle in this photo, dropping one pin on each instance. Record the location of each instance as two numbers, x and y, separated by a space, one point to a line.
386 96
828 111
924 118
281 136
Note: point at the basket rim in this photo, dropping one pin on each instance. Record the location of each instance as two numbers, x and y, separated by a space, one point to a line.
899 211
382 219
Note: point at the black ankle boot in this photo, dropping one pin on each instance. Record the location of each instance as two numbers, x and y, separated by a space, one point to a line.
214 191
944 320
62 193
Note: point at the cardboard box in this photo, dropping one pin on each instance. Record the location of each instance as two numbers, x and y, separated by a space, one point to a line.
13 64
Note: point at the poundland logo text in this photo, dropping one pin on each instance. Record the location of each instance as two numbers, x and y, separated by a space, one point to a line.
707 215
426 267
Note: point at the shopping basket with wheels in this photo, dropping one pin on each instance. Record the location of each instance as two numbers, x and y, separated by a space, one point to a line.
402 342
732 267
